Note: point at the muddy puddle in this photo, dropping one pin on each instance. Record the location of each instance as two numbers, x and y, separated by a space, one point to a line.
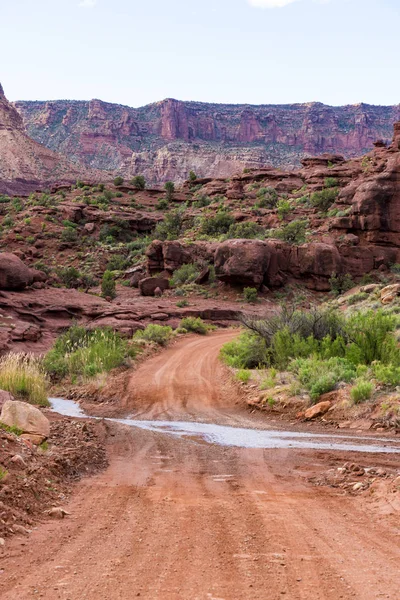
241 437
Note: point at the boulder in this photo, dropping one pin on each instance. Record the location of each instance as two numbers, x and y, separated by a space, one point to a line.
389 293
148 286
242 262
317 410
26 417
136 279
14 274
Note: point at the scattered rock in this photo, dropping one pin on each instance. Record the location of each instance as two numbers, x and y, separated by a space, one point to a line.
57 513
317 410
26 417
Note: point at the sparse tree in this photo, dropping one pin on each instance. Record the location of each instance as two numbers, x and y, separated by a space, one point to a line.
170 189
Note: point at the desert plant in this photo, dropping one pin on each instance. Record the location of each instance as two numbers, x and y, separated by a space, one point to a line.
192 176
23 376
69 276
361 391
283 208
108 285
138 182
159 334
218 224
246 230
293 233
243 375
118 181
185 274
341 283
250 294
69 235
194 324
170 189
267 198
170 228
324 199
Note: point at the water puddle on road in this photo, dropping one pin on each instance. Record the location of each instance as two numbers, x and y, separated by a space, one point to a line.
241 437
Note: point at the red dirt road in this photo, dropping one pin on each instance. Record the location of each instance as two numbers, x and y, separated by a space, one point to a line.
177 519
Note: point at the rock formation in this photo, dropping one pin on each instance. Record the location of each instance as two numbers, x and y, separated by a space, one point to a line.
165 140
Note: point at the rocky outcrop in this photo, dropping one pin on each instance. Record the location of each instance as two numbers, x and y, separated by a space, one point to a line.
14 274
167 139
29 419
25 164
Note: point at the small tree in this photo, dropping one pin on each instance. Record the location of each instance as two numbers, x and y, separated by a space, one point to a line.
192 176
138 182
170 189
250 294
108 285
118 181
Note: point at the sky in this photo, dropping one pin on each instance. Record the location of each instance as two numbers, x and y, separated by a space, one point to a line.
135 52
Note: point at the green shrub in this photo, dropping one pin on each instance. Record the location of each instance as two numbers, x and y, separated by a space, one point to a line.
170 228
361 391
22 375
341 283
324 199
250 294
248 351
355 298
246 230
170 189
83 352
69 276
218 224
322 376
185 274
331 182
69 235
283 208
108 285
293 233
117 262
386 374
370 338
201 202
267 198
162 204
138 182
182 303
243 375
118 181
192 176
194 324
159 334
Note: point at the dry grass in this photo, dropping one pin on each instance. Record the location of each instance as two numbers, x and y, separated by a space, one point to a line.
23 376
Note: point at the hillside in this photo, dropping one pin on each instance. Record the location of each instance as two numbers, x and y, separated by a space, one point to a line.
165 140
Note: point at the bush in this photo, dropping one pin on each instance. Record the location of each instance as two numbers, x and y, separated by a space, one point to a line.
361 391
162 204
293 233
117 262
341 283
324 199
355 298
283 208
250 294
201 202
331 182
248 351
138 182
218 224
69 276
69 235
247 230
322 376
386 374
185 274
170 189
192 176
194 324
22 375
159 334
118 181
267 198
371 339
170 228
108 285
85 352
243 375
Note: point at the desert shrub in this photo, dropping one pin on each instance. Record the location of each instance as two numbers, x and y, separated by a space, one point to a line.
83 352
341 283
267 198
170 189
248 351
69 235
355 298
293 233
246 230
324 199
170 228
118 181
361 391
185 274
283 208
117 262
370 338
216 225
243 375
331 182
69 276
23 376
192 176
118 231
162 204
386 374
322 376
108 285
194 324
250 294
182 303
201 201
138 182
159 334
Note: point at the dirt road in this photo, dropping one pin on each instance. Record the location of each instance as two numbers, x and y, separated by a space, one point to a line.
177 519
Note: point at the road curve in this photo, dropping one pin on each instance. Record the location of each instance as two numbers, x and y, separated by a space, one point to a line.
175 519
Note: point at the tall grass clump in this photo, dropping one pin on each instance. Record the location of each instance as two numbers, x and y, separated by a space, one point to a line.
83 352
23 376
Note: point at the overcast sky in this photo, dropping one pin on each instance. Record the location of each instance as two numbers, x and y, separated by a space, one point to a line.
236 51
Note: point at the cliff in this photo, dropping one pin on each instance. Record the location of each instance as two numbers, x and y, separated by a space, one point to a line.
167 139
